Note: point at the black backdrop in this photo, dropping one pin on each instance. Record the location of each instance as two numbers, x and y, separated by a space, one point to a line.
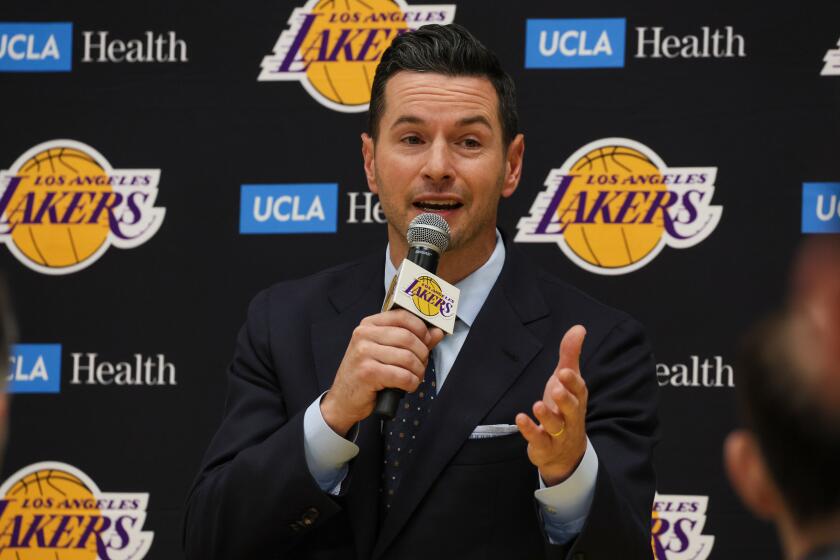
767 121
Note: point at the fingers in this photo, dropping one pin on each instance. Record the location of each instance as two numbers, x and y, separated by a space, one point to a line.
436 336
570 348
551 421
396 337
394 377
530 431
400 318
573 382
399 357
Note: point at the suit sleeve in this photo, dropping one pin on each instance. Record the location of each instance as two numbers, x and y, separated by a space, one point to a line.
254 496
621 422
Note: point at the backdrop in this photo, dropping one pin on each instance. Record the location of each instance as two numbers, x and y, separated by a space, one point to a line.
163 161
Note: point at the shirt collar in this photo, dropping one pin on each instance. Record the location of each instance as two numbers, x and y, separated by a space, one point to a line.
474 288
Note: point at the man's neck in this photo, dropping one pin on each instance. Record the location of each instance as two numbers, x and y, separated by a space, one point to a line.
455 265
798 542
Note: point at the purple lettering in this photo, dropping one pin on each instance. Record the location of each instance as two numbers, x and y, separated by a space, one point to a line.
93 530
628 205
286 65
344 43
545 221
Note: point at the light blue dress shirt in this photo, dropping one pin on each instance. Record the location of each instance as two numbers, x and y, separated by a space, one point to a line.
564 507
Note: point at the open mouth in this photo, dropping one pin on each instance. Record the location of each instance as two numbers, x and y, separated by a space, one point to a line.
437 205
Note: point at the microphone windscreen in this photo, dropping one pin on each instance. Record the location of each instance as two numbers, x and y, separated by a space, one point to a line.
429 229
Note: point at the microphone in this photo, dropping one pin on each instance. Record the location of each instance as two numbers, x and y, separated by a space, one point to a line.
416 289
428 237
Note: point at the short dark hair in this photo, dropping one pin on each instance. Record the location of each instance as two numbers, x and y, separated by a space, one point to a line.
798 434
450 50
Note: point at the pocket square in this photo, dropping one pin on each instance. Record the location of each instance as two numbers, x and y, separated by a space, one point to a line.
493 430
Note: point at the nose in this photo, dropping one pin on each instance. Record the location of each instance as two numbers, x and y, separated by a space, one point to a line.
438 165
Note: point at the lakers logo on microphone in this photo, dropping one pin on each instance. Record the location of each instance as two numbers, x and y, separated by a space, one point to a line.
428 298
62 205
614 205
332 47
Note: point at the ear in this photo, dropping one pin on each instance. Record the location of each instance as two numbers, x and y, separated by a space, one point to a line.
370 168
513 165
749 476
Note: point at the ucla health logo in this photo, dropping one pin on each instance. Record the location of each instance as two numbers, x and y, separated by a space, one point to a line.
292 208
677 528
62 205
332 48
54 510
35 368
575 43
821 208
36 47
614 205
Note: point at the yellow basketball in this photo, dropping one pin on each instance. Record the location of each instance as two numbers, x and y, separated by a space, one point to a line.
28 497
348 24
424 287
54 175
609 245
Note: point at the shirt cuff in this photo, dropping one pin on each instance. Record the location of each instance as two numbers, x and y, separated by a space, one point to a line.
565 506
327 453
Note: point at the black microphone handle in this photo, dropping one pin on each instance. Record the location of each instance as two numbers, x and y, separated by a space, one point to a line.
424 257
387 400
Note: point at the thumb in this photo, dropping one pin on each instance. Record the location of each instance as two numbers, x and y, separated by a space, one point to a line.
570 348
435 336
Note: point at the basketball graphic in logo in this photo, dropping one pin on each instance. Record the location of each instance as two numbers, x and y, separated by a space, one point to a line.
64 175
339 63
614 205
43 490
427 296
332 47
54 511
62 205
600 242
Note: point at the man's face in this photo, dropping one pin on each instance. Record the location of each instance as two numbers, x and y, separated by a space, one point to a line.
440 149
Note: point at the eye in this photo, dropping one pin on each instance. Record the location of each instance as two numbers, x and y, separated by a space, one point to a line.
411 139
471 143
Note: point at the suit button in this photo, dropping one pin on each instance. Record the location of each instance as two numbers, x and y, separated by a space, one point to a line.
579 556
309 516
294 526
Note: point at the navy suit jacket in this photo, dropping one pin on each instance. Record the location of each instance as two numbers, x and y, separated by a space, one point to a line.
460 498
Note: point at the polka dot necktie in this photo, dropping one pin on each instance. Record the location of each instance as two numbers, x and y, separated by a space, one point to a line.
399 435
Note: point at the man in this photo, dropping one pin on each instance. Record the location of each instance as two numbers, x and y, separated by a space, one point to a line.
300 468
785 463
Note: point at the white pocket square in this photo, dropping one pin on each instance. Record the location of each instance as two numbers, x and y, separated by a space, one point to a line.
493 430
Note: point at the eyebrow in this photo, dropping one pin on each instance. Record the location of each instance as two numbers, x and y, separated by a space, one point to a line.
466 121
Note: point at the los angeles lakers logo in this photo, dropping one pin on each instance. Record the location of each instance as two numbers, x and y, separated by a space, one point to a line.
333 46
677 528
62 205
54 510
428 297
614 205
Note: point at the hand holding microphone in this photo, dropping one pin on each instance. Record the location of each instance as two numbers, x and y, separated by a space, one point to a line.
389 351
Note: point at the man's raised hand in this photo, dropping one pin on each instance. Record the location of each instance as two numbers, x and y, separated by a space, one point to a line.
556 446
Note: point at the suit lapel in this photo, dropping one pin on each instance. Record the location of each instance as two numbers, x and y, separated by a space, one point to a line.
498 348
361 296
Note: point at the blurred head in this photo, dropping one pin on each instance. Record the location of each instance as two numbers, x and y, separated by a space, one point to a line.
785 462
